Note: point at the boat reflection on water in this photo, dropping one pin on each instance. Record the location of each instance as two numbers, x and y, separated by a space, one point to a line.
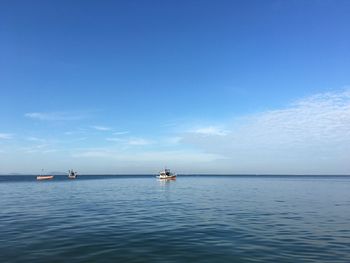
166 182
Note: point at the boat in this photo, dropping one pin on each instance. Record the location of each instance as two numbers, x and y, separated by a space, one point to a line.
166 175
72 174
44 177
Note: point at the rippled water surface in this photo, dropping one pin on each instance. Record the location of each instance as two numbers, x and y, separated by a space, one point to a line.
192 219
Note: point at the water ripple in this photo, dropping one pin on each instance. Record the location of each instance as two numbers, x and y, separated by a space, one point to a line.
193 219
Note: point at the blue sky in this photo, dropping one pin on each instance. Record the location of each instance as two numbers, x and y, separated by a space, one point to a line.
199 86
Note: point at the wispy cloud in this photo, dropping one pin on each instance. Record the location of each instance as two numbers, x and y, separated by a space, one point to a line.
209 131
78 131
139 142
54 116
101 128
131 141
6 136
148 156
36 148
312 135
35 139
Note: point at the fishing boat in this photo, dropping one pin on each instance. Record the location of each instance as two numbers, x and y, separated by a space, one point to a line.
72 174
166 175
44 177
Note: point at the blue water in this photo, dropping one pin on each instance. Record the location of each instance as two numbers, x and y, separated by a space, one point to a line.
192 219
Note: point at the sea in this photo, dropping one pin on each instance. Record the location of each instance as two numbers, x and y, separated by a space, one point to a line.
196 218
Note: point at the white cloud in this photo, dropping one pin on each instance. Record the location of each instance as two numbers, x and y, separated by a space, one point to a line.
139 142
310 136
210 131
78 131
131 141
54 116
38 148
6 136
148 156
50 151
101 128
35 139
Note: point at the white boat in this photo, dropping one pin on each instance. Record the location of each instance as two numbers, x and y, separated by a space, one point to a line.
44 177
166 175
72 174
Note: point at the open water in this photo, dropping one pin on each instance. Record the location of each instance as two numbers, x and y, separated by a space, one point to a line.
193 219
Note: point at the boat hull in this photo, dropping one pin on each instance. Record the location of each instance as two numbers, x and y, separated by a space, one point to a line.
167 177
47 177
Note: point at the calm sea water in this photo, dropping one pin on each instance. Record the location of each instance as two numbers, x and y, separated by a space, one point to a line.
192 219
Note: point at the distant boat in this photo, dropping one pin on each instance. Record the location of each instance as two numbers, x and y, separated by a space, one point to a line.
72 174
44 177
166 175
